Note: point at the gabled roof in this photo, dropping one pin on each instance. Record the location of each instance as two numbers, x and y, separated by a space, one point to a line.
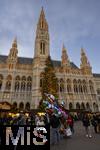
73 65
97 75
56 63
25 60
21 60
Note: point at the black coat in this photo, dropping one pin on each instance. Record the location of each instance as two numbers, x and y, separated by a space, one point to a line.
54 121
86 121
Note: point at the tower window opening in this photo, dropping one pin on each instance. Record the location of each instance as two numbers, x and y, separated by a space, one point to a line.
42 24
42 48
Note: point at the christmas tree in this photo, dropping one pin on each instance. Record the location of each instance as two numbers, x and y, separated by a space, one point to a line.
49 82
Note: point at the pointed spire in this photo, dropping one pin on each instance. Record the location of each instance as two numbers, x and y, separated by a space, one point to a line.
85 65
65 59
63 47
42 23
13 51
42 12
14 44
84 60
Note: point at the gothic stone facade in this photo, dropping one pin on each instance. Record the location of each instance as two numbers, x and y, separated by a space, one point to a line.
20 78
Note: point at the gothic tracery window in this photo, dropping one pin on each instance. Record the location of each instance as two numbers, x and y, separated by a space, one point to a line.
61 85
8 82
91 87
17 83
8 85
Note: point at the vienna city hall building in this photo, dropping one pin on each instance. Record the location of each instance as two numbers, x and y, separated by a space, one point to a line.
20 78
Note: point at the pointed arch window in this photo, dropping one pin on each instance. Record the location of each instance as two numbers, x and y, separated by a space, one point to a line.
42 48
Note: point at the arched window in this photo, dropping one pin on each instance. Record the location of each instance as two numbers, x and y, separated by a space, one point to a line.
84 86
82 106
29 86
70 106
22 86
61 85
17 78
77 106
80 88
14 105
21 106
9 77
17 85
8 82
95 106
23 78
8 85
27 106
87 106
91 87
75 86
29 78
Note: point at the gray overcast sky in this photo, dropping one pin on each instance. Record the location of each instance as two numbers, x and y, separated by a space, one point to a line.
76 23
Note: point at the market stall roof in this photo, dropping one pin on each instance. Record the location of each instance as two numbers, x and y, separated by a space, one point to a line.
5 106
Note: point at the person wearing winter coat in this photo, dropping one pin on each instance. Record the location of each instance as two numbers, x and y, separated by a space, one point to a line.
86 124
94 123
55 125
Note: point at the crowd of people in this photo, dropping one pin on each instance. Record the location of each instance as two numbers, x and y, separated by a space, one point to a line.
91 120
61 121
60 126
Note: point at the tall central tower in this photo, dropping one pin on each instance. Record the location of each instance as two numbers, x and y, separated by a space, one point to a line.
42 38
41 53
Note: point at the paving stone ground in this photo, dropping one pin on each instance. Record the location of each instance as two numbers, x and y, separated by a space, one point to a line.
79 141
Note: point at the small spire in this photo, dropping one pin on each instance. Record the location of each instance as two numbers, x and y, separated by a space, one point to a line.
42 9
84 59
42 23
82 50
65 59
42 12
14 42
63 47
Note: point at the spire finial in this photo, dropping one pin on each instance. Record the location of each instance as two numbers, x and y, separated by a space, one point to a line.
15 42
82 50
42 12
63 47
15 39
